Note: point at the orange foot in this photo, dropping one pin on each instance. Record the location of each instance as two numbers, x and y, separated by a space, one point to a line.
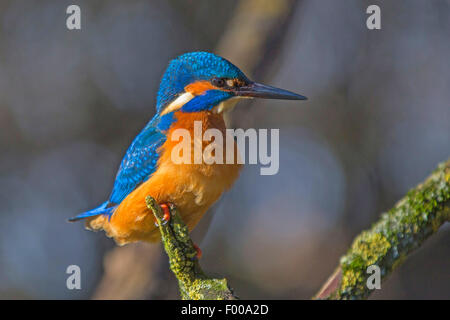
166 214
199 251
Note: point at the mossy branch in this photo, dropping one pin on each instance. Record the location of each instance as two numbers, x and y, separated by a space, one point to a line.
386 244
389 241
194 284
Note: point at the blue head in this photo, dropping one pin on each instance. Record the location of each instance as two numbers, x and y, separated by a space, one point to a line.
200 81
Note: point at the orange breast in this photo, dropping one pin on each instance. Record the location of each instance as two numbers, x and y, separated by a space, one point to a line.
193 188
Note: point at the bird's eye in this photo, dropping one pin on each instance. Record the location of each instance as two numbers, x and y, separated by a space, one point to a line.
218 82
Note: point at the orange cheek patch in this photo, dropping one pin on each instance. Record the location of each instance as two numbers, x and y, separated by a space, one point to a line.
199 87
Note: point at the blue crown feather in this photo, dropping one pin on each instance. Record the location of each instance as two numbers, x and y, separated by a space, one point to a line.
191 67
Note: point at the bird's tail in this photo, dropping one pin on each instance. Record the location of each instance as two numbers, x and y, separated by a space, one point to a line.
105 209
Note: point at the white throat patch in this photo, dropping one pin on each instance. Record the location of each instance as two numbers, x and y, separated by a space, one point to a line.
184 98
226 105
178 103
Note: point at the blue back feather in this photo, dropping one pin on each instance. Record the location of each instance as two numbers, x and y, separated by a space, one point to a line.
139 161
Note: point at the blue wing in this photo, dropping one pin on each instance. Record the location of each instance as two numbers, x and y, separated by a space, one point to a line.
139 161
137 165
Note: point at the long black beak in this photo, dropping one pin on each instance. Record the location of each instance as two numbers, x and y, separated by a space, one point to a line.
257 90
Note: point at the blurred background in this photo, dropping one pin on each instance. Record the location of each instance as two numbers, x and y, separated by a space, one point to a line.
377 122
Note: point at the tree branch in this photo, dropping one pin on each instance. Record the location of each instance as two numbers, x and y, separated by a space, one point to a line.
389 241
193 282
397 234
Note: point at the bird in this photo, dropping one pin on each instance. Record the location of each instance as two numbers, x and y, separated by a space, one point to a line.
197 87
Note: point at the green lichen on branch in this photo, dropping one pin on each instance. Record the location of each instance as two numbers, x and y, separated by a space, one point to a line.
389 241
194 284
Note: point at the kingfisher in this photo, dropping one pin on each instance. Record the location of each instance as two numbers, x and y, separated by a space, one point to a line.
197 87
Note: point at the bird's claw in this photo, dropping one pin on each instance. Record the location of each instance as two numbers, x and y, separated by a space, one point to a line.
199 251
166 214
